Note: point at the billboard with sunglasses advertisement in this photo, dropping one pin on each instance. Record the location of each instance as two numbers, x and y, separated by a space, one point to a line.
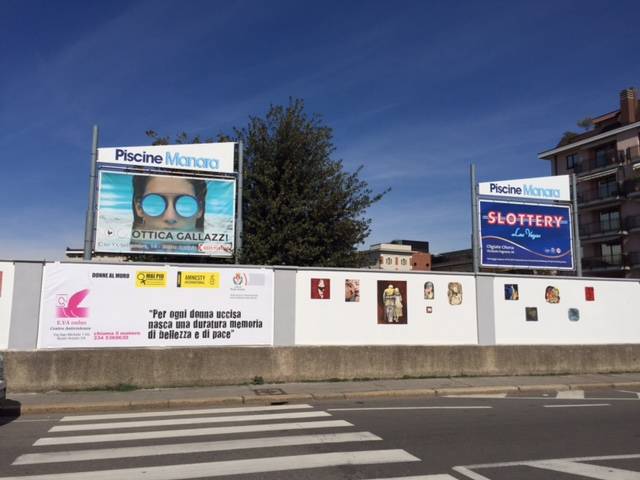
165 214
93 305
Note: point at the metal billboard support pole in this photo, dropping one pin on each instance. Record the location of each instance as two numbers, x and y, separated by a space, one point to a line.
474 219
577 248
238 239
89 223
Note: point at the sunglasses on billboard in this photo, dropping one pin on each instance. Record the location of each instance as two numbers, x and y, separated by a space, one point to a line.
154 205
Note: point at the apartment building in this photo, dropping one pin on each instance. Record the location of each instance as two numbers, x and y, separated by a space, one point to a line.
606 161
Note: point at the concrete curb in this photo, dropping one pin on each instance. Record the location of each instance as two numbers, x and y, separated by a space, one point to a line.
166 404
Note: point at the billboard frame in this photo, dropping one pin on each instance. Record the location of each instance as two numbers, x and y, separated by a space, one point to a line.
97 167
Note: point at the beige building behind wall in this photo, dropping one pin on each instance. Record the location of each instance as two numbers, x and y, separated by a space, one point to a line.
606 161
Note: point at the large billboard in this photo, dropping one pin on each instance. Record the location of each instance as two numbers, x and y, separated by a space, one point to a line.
538 188
93 305
200 157
162 214
524 235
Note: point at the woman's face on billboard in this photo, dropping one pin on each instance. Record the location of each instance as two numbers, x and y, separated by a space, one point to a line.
169 203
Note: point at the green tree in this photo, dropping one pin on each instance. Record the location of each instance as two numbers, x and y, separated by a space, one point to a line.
300 206
586 123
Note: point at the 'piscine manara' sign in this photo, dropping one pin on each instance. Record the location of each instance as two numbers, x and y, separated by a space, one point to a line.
540 188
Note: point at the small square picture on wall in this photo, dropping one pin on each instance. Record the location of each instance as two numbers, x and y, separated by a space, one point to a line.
392 302
352 290
574 314
511 291
429 309
428 291
454 293
552 294
320 288
531 314
589 294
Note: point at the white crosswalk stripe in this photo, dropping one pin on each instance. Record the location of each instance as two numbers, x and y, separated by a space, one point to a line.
187 421
143 428
176 413
193 432
235 467
180 448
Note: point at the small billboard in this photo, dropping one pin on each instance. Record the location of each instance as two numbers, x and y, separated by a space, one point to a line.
525 235
165 214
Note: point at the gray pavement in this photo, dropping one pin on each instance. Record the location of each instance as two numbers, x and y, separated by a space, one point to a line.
60 402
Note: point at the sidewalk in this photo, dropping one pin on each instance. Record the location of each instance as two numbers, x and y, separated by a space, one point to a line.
164 398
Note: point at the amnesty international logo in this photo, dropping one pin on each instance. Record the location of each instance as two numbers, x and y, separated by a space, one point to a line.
151 279
198 280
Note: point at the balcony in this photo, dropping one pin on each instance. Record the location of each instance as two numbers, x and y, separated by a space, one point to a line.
602 162
606 262
608 227
632 224
631 187
606 194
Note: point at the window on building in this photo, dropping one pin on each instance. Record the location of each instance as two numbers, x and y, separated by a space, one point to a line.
572 161
389 261
611 252
607 187
403 261
609 221
603 156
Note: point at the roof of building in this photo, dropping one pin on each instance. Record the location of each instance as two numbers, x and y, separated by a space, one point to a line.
584 139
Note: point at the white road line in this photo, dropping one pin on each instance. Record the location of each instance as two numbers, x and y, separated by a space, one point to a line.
586 470
437 476
573 459
469 474
409 408
629 391
188 421
192 432
478 395
570 394
538 398
578 405
175 413
234 467
182 448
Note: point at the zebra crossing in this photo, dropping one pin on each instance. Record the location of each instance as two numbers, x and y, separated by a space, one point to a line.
69 447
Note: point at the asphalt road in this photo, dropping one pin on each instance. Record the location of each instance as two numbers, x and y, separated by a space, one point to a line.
518 437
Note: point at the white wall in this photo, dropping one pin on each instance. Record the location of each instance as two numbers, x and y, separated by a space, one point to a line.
336 322
6 296
614 316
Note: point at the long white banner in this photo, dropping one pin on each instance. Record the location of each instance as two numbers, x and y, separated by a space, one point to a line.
201 157
538 188
92 305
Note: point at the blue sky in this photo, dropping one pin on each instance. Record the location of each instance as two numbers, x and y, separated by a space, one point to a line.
414 90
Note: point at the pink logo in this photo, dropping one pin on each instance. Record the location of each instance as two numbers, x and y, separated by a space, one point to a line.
70 308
